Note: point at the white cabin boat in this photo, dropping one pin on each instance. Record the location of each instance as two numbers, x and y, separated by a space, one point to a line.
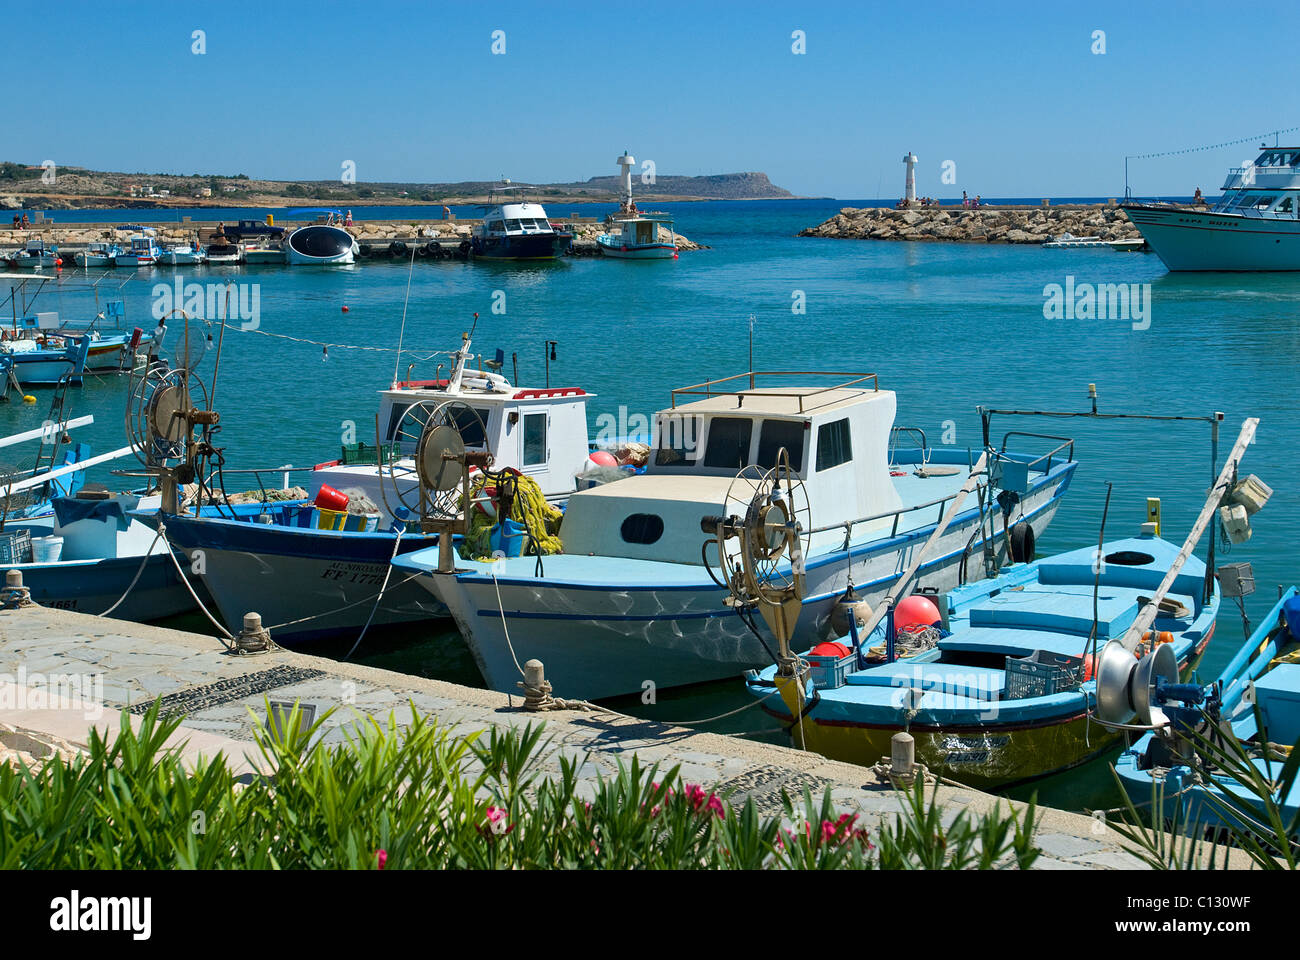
36 256
98 254
630 599
518 231
183 255
1255 225
142 251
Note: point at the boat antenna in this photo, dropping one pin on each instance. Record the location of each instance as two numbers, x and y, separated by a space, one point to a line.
397 364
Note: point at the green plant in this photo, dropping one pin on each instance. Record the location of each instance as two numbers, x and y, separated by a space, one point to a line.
424 796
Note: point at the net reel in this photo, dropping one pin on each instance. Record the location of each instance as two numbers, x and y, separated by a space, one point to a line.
761 540
169 418
432 434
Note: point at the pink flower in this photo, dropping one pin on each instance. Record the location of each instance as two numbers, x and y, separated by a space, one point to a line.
704 801
381 858
495 823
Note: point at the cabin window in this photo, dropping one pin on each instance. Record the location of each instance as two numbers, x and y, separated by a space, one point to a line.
514 225
679 441
833 444
728 442
472 425
394 418
496 225
1263 202
777 434
534 439
642 528
1285 205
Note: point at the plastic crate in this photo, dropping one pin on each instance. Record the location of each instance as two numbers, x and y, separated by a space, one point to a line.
363 453
15 546
830 672
1041 674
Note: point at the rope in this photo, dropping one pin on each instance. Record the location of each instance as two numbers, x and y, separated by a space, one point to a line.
346 606
340 346
171 552
397 541
143 560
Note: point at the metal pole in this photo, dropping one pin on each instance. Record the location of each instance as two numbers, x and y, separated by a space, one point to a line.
1208 592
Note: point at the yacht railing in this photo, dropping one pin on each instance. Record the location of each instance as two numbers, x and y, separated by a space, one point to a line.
706 389
1066 444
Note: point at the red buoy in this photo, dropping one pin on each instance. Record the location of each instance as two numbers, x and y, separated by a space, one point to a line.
830 649
916 610
345 308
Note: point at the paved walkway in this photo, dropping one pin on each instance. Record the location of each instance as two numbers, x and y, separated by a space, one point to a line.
222 698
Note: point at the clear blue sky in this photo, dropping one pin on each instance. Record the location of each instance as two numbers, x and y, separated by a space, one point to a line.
1010 92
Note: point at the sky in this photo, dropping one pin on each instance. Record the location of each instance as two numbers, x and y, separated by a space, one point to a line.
1013 99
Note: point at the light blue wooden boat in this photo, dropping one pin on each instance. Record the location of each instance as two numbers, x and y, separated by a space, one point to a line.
1170 770
1005 694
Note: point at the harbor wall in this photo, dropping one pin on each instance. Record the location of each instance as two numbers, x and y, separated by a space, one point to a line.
1025 225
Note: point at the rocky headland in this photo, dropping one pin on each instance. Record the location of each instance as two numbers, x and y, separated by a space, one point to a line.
985 225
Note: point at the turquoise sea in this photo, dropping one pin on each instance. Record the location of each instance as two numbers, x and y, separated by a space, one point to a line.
947 326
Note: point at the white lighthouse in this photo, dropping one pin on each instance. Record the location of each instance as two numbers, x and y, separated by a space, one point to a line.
909 194
625 164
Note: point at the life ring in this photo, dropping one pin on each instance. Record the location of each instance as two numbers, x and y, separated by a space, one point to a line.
1022 543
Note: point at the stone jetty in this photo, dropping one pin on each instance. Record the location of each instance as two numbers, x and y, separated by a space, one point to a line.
985 225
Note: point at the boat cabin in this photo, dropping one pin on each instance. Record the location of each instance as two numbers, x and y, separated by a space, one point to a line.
837 438
1269 187
516 220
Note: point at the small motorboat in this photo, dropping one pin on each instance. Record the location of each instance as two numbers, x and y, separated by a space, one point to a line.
47 361
1173 767
98 254
321 244
35 256
1069 240
222 252
263 252
142 251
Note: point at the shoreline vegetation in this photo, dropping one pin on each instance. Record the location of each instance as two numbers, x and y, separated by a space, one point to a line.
23 186
987 224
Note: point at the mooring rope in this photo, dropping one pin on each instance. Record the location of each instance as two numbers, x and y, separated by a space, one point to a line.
134 580
171 552
397 542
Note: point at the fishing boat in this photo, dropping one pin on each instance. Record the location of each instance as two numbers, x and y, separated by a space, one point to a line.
632 234
518 231
35 256
998 690
98 254
92 554
186 254
335 546
142 251
1254 226
631 597
1069 240
48 361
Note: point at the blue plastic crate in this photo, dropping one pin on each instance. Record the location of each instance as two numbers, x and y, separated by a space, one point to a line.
1041 674
15 546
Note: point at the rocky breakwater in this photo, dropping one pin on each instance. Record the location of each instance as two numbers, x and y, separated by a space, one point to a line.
986 225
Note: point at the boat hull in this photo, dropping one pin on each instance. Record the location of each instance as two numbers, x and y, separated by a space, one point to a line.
93 586
532 246
289 574
320 245
655 251
1196 240
606 639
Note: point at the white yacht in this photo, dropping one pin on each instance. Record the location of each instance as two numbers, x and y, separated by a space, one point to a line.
1254 226
518 231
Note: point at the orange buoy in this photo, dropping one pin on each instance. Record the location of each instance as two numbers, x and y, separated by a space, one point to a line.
916 610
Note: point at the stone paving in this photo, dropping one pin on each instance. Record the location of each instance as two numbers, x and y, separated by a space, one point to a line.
222 697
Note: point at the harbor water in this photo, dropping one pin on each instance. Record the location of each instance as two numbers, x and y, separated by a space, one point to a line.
946 326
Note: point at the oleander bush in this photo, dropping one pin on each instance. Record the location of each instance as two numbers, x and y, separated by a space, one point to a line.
424 796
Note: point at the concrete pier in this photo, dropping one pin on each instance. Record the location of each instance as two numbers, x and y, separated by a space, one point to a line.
222 697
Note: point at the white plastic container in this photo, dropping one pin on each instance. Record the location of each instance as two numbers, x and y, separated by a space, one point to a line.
46 549
1235 522
1252 493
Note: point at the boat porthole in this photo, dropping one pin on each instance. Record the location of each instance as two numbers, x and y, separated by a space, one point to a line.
1129 558
642 528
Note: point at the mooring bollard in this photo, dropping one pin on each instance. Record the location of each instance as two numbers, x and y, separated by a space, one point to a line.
903 756
254 638
14 594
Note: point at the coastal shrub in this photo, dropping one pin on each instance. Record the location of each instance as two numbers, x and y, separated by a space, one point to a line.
425 796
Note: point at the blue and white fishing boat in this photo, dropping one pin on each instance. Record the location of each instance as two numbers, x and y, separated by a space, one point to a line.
1169 767
314 573
98 254
184 254
634 235
44 363
1255 225
35 256
630 599
1001 691
91 551
141 251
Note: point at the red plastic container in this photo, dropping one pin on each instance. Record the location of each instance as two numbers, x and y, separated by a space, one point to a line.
331 499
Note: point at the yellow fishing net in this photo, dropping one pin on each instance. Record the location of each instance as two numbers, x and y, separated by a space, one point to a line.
528 507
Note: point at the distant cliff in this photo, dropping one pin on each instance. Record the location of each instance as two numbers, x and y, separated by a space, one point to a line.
23 186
